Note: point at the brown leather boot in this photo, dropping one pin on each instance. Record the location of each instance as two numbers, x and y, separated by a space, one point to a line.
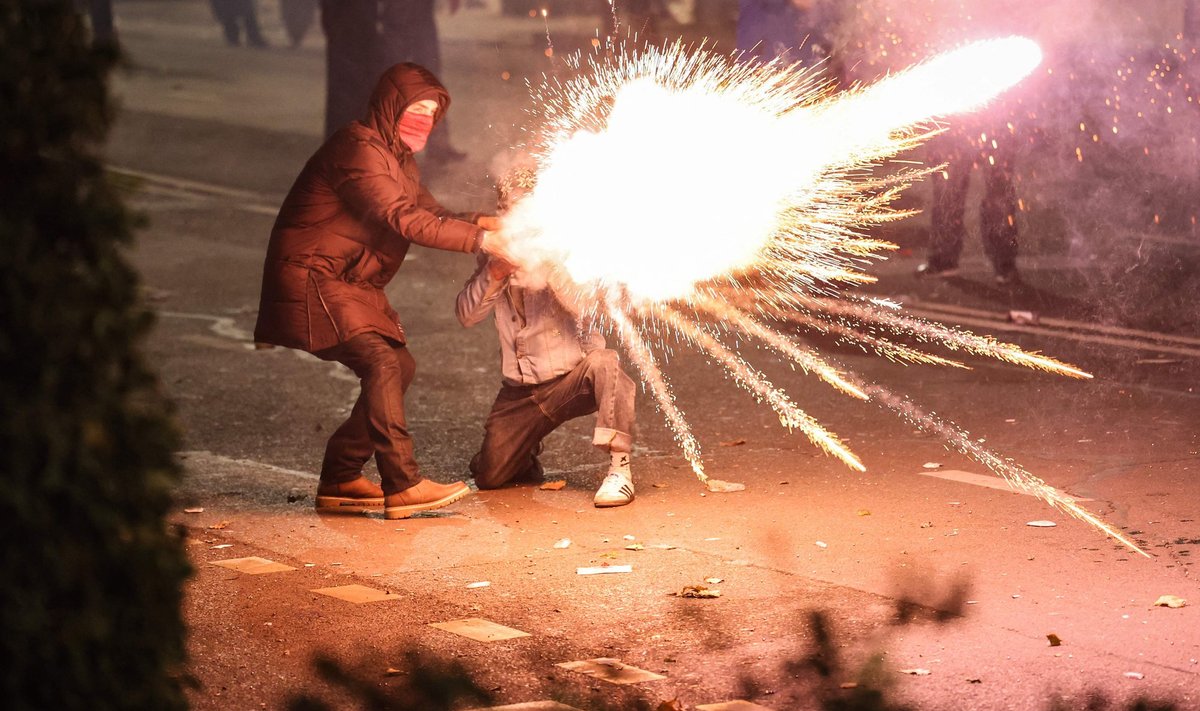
352 496
425 496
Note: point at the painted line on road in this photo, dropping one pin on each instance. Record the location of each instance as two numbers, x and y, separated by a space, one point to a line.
989 482
988 323
222 326
205 455
246 200
1064 323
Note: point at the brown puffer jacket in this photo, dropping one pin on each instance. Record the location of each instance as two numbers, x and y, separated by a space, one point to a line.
347 223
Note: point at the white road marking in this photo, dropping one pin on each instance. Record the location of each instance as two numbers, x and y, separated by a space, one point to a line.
1060 328
208 457
987 481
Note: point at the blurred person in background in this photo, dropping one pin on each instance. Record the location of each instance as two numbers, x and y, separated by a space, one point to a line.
236 17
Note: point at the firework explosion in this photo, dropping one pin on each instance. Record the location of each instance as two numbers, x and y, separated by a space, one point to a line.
683 196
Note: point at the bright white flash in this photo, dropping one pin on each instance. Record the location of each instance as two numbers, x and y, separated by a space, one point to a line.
697 168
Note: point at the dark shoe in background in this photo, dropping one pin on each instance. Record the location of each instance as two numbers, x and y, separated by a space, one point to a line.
1008 277
936 271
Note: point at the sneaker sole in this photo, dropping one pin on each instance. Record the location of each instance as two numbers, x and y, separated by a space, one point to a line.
612 504
342 504
392 513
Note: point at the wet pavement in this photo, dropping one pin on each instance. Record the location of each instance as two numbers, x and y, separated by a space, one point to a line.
209 139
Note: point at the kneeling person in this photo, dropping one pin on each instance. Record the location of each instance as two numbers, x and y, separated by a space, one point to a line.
553 371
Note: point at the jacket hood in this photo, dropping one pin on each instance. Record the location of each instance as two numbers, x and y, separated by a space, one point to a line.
401 86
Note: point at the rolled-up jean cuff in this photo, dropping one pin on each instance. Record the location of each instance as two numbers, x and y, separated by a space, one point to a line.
612 440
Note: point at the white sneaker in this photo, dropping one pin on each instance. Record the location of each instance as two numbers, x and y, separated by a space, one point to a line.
616 490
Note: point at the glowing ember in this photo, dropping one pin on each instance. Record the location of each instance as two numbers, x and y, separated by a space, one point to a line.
678 187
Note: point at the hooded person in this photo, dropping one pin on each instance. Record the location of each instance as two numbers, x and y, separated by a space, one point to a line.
341 235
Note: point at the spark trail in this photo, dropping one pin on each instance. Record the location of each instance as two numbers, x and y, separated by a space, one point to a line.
675 186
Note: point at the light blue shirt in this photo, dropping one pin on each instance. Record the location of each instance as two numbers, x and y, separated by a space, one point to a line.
539 339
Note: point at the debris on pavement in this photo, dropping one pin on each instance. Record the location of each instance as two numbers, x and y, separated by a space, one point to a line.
610 670
1027 318
392 671
821 544
220 546
604 569
564 543
672 705
862 512
635 547
657 485
629 537
714 581
734 442
1042 524
717 486
1170 601
932 465
698 591
553 485
479 629
1134 675
219 525
1055 640
194 509
916 672
296 495
480 584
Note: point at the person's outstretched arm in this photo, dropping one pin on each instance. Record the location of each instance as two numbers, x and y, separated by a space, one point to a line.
478 297
368 189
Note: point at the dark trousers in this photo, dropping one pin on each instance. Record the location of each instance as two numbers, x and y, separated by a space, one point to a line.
376 426
351 66
234 15
522 416
997 209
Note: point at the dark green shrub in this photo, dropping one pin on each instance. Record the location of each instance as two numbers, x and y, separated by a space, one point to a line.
90 576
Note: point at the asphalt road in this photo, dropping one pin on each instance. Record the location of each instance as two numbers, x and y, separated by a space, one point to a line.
209 139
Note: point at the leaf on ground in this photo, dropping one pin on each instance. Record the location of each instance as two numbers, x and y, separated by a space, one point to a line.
724 487
1055 640
1170 601
553 485
863 512
698 591
714 581
220 525
635 547
734 442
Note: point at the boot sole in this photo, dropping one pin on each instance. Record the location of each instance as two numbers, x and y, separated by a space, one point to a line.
343 504
395 512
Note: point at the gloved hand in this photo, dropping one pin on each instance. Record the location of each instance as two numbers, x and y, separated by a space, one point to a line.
488 222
